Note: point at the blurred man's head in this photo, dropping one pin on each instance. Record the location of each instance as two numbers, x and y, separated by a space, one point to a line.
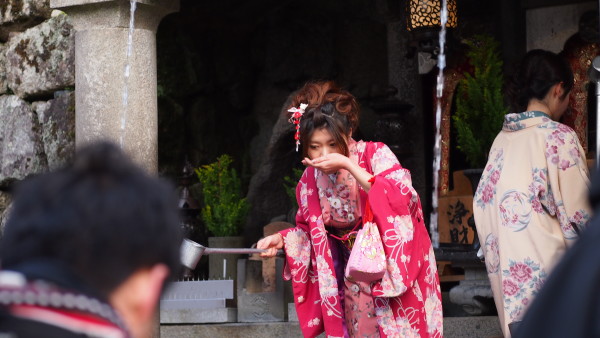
102 226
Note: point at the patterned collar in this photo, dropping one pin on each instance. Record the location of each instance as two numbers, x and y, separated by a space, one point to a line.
519 121
37 300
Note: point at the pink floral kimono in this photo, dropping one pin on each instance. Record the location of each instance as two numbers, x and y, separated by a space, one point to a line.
406 302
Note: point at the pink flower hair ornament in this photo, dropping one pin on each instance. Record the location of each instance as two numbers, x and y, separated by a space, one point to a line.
295 119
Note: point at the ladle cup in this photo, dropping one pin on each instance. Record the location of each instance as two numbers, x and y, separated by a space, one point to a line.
191 252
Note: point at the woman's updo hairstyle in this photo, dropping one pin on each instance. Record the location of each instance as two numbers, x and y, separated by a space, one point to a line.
534 76
329 107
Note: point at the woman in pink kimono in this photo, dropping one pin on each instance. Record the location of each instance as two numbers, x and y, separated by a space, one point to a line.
531 201
343 177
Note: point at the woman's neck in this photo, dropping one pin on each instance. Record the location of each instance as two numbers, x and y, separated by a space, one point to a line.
535 105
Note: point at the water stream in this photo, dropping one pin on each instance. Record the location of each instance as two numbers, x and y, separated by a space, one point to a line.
433 223
125 106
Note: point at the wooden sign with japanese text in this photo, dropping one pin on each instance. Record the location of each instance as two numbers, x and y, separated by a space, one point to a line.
453 221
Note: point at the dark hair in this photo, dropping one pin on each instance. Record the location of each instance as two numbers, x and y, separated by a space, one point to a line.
100 219
329 107
534 76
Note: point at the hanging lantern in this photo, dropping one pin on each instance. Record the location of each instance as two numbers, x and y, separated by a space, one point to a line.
426 14
423 23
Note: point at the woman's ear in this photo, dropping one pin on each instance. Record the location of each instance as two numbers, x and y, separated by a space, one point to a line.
559 90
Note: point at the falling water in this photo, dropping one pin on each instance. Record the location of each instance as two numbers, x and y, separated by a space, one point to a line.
435 237
127 71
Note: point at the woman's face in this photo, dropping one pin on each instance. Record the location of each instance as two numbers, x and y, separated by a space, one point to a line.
322 143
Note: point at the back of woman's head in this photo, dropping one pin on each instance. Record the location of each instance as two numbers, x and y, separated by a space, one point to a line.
537 72
329 107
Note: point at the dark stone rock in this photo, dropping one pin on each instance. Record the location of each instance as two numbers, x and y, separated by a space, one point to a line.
21 148
181 69
172 140
266 193
313 47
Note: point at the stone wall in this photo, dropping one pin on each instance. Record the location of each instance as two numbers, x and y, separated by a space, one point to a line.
37 100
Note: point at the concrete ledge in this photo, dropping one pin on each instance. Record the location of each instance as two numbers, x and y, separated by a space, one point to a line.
474 326
195 316
454 327
234 330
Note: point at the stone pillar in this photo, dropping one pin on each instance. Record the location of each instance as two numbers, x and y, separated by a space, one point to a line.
101 37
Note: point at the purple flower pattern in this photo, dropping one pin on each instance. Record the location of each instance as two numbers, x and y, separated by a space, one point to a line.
520 283
562 147
486 190
540 192
492 254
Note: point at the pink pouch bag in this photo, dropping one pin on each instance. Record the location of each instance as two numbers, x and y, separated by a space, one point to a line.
367 258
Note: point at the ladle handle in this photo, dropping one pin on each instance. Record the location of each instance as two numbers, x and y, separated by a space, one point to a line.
208 251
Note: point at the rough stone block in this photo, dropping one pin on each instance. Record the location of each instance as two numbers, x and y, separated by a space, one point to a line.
41 60
21 148
57 121
18 15
3 81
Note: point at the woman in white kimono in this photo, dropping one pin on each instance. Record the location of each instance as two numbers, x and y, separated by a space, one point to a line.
531 200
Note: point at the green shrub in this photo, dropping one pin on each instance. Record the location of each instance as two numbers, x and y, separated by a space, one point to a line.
480 107
224 209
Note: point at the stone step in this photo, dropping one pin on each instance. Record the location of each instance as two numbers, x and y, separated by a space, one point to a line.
454 327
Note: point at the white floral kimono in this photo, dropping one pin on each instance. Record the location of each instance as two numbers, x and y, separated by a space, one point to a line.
529 206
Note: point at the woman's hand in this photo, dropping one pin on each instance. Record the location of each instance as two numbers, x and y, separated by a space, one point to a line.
270 244
329 163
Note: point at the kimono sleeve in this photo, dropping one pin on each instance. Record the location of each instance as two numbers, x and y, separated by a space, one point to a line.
297 244
397 212
382 159
568 182
299 268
